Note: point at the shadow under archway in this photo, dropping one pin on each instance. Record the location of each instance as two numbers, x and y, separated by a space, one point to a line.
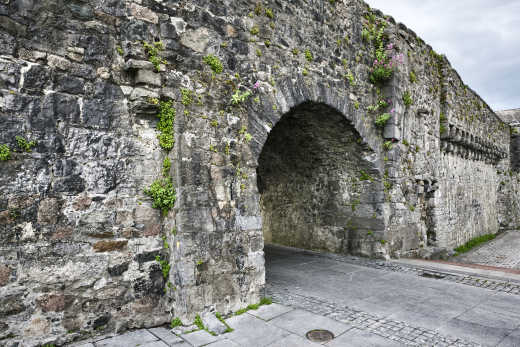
319 185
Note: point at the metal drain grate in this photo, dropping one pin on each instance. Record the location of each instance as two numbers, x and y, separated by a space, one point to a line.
319 335
432 275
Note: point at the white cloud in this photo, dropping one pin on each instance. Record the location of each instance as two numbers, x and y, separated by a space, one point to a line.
481 39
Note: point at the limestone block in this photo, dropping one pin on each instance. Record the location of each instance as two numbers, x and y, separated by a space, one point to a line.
212 323
197 39
148 77
143 13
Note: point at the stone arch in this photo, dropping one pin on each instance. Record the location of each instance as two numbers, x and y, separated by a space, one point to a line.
319 183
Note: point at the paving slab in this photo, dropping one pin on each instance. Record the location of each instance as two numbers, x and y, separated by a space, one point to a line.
359 338
470 328
166 335
129 339
154 344
223 343
268 312
294 341
200 338
512 340
300 322
251 331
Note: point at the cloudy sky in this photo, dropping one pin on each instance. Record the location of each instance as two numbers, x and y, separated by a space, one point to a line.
481 39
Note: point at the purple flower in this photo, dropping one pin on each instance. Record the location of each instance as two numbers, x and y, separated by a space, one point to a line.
256 85
392 110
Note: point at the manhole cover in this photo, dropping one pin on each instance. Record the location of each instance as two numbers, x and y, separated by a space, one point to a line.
319 335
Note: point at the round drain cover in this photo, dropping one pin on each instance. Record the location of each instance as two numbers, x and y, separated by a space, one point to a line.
319 335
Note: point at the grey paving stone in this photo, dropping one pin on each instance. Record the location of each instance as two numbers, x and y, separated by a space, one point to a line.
512 340
166 336
88 344
200 338
300 322
268 312
223 343
154 344
474 329
129 339
253 332
359 338
293 341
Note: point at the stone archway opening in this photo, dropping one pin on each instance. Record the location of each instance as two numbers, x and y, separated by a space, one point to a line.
320 188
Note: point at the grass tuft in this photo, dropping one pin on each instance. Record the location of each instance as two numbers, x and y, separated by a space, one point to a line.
474 243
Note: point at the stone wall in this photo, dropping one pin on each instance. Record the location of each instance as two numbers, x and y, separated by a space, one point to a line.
83 250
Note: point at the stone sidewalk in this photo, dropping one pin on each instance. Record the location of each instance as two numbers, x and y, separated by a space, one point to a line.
271 325
504 251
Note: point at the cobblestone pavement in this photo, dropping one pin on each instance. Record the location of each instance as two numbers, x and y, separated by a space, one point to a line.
506 286
504 251
401 332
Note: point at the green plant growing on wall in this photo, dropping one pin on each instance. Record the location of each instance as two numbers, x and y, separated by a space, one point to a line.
23 144
382 119
350 77
269 13
407 99
254 30
187 97
295 51
365 176
153 49
214 63
442 129
381 104
239 97
365 35
163 194
308 55
387 145
165 125
165 266
386 60
5 152
167 164
413 77
176 322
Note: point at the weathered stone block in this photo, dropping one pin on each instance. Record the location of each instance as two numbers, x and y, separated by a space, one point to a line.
148 77
49 211
5 273
109 246
53 302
